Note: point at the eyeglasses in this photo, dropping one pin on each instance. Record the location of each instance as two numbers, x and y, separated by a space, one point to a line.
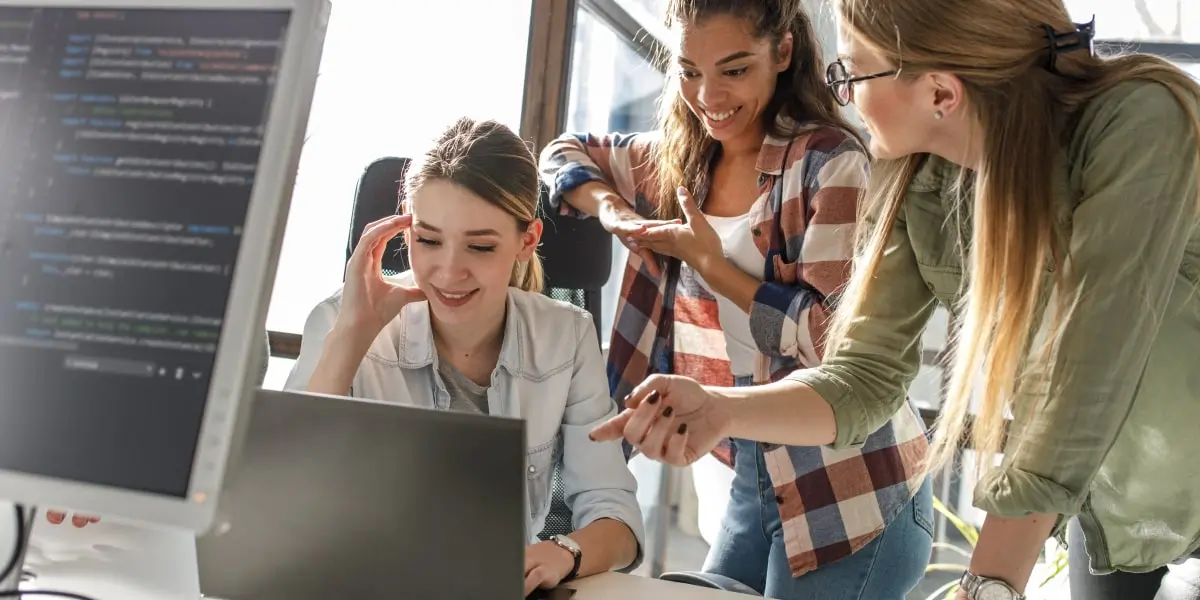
841 84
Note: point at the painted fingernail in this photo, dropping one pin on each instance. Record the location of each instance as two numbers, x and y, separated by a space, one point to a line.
653 397
682 191
682 428
55 517
79 521
669 411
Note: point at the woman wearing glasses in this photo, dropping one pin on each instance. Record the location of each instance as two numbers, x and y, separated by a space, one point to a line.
739 213
1048 198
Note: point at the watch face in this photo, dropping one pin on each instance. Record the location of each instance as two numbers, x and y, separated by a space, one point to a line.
995 590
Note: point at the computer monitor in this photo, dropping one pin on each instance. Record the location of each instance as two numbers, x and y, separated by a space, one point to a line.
147 154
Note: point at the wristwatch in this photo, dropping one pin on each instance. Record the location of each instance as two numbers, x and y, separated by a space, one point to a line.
986 588
569 545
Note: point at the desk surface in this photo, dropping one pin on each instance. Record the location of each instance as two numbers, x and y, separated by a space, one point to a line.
617 586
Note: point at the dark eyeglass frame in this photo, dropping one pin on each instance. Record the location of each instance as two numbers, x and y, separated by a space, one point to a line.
836 75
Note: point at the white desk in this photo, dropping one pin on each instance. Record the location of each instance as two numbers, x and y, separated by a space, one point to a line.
109 561
617 586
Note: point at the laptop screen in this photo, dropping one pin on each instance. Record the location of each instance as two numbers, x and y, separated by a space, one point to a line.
129 142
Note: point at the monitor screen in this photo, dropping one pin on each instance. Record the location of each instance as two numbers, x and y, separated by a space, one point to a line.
129 142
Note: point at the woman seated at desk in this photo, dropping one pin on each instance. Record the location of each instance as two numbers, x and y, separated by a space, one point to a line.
467 329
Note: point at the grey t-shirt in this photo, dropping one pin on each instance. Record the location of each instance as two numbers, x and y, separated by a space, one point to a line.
465 395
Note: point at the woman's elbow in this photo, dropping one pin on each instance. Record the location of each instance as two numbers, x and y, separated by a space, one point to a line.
862 401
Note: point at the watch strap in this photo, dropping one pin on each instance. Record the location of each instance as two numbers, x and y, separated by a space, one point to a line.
574 550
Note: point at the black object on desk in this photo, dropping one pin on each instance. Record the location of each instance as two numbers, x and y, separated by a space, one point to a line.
558 593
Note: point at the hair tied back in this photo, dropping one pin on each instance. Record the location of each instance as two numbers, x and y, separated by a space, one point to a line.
1082 38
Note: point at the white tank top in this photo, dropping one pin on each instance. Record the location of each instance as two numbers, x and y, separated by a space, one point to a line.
739 248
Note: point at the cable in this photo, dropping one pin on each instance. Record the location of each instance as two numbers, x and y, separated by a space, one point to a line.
16 553
15 557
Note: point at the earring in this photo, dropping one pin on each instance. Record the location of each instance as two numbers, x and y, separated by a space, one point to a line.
937 114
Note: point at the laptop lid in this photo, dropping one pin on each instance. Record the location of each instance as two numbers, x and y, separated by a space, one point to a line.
345 498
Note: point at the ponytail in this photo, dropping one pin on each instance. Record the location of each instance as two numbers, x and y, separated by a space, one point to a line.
527 275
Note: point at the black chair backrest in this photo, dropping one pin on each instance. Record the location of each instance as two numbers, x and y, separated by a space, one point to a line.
378 195
576 253
576 257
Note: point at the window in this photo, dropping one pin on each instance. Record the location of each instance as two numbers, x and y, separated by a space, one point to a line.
1141 20
394 73
612 89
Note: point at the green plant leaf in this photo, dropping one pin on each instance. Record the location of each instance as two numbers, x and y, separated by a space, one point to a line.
966 530
947 591
945 567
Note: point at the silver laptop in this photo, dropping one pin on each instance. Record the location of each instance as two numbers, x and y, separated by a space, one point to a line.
341 498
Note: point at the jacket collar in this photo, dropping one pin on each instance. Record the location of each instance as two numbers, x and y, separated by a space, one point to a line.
772 157
416 349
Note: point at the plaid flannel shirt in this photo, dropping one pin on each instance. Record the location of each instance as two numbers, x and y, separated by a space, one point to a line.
831 502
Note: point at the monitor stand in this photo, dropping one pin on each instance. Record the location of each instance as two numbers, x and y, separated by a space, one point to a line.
112 559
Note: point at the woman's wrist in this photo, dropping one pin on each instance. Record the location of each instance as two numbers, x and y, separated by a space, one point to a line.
350 339
725 407
710 263
341 355
613 210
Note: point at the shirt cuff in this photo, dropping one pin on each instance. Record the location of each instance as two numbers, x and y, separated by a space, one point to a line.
1012 493
635 527
567 179
851 422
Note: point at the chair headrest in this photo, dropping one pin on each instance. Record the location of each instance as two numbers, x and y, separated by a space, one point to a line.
576 253
378 196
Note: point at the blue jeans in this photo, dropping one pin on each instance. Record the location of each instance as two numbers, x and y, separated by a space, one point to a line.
750 548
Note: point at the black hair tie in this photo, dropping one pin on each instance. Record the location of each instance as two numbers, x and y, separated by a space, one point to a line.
1083 38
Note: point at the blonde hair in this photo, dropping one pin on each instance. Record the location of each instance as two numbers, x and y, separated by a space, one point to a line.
492 162
800 92
1026 113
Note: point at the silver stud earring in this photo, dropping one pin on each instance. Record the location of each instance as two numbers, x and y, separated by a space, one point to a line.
937 114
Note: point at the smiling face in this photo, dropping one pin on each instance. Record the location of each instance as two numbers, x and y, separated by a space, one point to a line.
728 76
462 249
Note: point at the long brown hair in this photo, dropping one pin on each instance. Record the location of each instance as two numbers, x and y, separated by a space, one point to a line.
492 162
1026 113
800 92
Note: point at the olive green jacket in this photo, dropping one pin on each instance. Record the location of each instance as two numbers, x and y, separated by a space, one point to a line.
1118 440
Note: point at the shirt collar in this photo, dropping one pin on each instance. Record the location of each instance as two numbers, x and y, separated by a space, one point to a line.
416 349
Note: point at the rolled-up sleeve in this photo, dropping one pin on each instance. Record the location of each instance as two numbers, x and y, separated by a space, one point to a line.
597 482
620 160
316 328
789 316
1129 235
865 378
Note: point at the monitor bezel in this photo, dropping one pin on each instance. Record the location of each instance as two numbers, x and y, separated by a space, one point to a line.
231 385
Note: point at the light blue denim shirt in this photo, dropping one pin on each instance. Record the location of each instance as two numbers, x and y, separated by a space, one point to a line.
550 373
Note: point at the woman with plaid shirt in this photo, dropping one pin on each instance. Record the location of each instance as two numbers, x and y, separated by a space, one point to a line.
739 215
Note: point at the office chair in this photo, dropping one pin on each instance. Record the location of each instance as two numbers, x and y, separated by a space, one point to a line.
378 195
576 260
710 580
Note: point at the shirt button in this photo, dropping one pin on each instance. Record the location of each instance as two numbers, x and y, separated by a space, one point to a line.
531 468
